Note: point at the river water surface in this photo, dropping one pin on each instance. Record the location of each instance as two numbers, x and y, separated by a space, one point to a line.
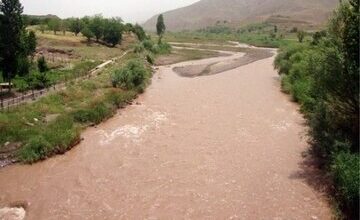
225 146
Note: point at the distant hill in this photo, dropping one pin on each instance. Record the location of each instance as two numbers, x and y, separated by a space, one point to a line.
237 12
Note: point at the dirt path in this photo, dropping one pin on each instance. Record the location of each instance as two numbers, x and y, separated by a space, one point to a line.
226 146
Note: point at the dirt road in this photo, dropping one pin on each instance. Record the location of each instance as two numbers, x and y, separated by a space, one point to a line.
225 146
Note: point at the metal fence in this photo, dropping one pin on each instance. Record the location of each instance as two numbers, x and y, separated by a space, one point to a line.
27 97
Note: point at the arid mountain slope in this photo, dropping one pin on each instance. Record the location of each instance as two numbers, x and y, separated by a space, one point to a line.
209 12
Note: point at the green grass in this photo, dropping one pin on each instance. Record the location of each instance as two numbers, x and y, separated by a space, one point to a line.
79 105
261 35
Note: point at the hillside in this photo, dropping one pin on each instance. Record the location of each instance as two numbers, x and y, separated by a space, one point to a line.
235 12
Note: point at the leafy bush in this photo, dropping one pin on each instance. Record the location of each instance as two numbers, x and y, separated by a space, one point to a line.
61 134
42 65
139 48
95 114
345 170
132 76
21 84
162 48
56 138
323 76
139 32
38 80
150 58
36 149
148 44
119 99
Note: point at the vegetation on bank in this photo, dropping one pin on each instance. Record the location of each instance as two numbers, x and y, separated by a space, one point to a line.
52 124
19 48
323 76
262 34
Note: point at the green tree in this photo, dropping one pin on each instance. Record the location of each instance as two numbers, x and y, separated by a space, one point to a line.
76 25
86 32
31 43
112 32
64 26
139 32
11 39
160 27
97 26
42 65
301 36
317 36
128 27
54 25
42 28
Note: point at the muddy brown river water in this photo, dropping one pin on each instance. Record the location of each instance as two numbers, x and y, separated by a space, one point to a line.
225 146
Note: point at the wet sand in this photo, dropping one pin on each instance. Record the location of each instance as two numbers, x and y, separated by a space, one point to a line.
225 146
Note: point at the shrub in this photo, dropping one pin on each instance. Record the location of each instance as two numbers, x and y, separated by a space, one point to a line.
36 149
139 31
61 134
21 84
95 114
120 98
132 76
42 65
38 80
23 66
345 170
139 48
148 44
150 58
323 77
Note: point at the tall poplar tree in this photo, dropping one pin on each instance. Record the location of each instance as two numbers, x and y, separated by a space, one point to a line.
11 34
160 27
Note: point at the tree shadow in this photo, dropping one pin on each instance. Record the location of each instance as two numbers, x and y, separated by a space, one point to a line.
312 173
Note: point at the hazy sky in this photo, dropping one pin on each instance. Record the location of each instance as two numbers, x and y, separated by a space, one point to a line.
129 10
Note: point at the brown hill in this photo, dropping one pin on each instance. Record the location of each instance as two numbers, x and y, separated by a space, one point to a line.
236 12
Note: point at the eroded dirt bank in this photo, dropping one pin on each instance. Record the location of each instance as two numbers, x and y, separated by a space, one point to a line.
226 146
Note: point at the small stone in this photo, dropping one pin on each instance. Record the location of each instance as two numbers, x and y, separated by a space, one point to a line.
314 218
36 120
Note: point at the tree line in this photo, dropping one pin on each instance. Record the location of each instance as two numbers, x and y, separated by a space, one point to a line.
323 76
18 45
107 30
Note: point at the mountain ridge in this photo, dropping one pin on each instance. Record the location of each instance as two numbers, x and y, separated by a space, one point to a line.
237 12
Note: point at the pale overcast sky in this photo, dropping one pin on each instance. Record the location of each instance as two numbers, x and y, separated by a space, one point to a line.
129 10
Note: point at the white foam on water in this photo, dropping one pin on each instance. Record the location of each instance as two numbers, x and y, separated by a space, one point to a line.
134 132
